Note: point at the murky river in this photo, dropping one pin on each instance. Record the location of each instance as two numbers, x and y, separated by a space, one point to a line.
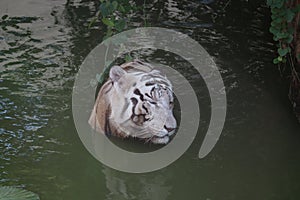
43 43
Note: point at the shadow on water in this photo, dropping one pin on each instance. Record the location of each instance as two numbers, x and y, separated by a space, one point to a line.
42 44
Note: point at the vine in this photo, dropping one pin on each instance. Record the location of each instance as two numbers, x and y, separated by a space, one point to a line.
285 29
283 14
116 15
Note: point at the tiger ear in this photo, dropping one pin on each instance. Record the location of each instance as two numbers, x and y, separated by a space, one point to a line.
116 72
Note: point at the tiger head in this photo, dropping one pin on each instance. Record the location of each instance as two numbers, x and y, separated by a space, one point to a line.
136 101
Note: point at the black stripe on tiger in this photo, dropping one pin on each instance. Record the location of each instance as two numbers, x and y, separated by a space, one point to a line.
134 102
107 129
137 119
137 92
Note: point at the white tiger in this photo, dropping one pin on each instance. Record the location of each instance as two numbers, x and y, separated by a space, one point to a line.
136 101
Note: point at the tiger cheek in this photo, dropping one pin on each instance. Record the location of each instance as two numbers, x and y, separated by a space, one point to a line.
171 120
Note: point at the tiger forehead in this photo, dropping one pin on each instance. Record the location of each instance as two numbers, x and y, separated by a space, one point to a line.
145 81
149 80
147 86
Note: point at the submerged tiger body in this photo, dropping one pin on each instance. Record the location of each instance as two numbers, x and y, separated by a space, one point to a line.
136 101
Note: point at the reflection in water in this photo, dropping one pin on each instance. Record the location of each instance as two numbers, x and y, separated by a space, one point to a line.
42 44
122 186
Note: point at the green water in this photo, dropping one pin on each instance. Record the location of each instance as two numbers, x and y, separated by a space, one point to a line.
42 45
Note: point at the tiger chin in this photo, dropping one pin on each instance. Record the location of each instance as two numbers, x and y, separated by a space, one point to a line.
136 101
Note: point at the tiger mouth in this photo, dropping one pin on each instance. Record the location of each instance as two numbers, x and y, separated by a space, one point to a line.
163 134
157 136
160 139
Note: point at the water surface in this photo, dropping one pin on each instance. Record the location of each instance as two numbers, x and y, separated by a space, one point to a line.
42 44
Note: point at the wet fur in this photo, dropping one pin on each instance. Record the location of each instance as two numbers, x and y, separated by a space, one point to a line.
101 117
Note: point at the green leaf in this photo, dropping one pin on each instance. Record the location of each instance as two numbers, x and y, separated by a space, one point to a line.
108 34
4 17
282 52
121 8
284 60
289 15
103 10
115 5
127 8
279 58
107 63
284 35
274 30
275 61
110 7
278 20
274 23
98 77
273 17
92 22
289 39
120 25
278 3
128 58
275 10
104 75
13 193
108 22
275 38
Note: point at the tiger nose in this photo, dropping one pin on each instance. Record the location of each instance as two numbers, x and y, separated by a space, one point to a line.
169 129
